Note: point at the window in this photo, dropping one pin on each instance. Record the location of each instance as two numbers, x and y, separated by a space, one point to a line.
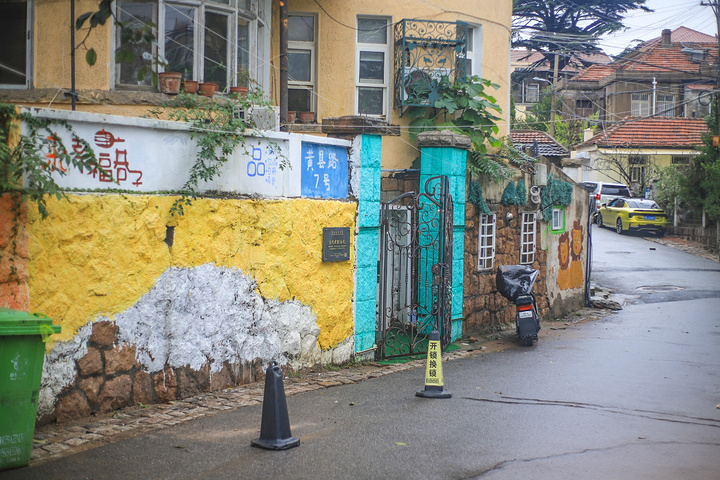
527 238
640 105
532 93
680 160
665 106
637 169
15 57
474 50
583 108
301 63
373 67
205 40
558 219
486 241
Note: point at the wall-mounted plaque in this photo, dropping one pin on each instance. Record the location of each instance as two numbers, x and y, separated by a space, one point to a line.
336 244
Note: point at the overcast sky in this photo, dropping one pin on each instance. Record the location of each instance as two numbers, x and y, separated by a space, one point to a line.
667 14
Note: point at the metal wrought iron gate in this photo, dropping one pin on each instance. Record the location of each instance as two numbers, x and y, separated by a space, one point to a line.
415 270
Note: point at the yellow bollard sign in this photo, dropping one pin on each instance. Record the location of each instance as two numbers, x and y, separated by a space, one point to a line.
433 368
434 386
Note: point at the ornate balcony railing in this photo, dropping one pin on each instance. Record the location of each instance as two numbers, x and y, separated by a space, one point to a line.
425 52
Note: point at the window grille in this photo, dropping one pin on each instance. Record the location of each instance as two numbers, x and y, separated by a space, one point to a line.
486 241
640 105
558 219
665 105
681 160
527 238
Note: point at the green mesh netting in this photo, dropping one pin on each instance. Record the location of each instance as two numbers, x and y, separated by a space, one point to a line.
509 196
475 196
556 192
521 192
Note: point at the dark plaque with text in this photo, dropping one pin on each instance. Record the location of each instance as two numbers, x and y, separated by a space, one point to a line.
336 244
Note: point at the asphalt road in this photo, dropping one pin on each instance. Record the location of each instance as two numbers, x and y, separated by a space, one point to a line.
632 396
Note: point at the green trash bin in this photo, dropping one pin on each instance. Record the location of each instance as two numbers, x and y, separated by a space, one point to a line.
22 352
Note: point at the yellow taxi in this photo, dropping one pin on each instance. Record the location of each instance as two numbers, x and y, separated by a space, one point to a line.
633 215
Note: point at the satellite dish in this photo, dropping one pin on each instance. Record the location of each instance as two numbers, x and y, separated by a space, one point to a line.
705 98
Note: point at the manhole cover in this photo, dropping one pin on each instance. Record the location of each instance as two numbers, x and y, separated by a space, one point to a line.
660 288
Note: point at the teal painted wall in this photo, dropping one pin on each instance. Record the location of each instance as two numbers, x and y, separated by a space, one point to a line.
451 162
367 242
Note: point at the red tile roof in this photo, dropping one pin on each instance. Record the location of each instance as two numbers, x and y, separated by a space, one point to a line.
653 57
547 146
684 35
577 62
654 132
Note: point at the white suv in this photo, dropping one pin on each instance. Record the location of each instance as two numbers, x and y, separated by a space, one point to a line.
603 192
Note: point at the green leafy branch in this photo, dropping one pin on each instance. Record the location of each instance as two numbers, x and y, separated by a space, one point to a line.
465 108
29 161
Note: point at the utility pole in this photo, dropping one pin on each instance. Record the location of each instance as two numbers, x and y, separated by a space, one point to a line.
552 98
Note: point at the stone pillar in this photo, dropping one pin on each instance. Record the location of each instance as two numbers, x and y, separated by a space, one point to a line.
445 153
366 135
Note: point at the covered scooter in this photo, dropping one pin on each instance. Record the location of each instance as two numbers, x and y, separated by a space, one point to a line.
515 282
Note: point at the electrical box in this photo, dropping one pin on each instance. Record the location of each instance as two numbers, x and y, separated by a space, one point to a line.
540 177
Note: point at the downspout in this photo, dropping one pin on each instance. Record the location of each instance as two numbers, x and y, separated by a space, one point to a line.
654 94
73 94
283 60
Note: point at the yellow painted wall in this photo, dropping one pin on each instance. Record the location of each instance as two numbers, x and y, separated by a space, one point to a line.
98 254
336 54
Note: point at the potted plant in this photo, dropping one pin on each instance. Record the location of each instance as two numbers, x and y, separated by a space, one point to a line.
306 117
189 85
170 82
243 80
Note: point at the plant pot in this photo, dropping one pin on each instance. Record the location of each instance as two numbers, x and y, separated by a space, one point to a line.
239 91
170 82
190 86
291 115
306 117
206 89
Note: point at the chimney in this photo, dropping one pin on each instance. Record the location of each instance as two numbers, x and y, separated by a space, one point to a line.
588 133
666 38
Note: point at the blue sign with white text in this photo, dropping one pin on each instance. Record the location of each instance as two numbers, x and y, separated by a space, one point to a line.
324 171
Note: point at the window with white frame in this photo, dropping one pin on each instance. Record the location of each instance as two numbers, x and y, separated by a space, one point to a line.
637 168
532 93
665 106
372 58
15 57
486 241
205 40
474 50
527 238
680 160
302 49
640 105
558 219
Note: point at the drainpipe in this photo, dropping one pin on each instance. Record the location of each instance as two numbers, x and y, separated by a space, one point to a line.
283 60
654 94
73 94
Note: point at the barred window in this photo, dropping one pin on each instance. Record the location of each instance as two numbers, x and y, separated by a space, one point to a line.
680 160
486 241
640 105
527 238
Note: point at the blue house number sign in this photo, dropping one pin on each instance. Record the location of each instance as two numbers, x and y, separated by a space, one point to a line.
324 171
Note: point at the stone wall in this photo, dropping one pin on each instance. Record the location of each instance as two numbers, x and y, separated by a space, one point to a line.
109 377
394 184
485 309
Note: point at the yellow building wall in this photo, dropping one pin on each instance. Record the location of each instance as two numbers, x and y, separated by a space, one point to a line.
336 55
98 254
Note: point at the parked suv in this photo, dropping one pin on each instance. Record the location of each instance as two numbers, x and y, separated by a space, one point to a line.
603 192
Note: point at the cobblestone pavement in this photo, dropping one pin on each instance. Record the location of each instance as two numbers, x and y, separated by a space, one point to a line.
54 441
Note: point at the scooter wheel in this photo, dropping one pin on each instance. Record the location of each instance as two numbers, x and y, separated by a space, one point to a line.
527 342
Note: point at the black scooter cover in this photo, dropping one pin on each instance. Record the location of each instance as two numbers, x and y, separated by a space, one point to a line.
515 280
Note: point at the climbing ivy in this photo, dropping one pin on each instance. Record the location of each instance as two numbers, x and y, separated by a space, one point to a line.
475 197
521 192
556 192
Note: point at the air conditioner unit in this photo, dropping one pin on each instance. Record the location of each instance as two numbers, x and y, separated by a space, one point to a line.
265 118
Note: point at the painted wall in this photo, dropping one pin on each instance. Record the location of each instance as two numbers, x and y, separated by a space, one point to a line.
336 62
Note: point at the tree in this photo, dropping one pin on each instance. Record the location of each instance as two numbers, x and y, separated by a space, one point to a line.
620 166
566 27
700 186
